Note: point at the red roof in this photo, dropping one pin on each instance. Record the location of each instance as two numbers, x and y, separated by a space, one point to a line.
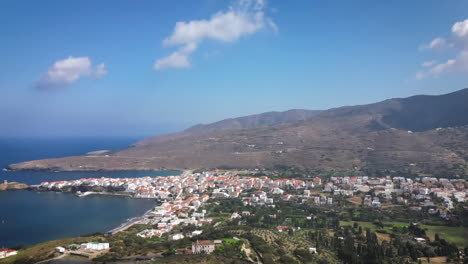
7 250
204 242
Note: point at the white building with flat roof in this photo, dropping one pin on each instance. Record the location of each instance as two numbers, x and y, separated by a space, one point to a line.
95 246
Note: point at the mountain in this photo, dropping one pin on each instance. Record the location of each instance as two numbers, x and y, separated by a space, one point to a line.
417 113
251 121
425 134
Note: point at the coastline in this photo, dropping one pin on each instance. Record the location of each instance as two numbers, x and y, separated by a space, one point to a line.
125 225
118 210
104 193
94 163
119 226
129 223
10 169
12 186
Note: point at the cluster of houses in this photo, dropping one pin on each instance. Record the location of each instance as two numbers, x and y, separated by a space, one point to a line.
182 210
183 196
6 252
89 246
418 192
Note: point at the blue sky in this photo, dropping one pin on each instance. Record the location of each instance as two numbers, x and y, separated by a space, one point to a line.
119 68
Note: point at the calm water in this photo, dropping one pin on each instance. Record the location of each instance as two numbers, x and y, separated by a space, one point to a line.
23 149
28 217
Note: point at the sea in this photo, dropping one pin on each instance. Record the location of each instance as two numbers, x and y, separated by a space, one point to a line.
29 217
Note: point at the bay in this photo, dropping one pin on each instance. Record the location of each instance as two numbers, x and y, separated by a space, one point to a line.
28 217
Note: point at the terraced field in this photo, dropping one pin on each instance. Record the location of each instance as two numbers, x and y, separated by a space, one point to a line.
456 235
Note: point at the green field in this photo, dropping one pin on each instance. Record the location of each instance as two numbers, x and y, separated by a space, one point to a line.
457 235
228 241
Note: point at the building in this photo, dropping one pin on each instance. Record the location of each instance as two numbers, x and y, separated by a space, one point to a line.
95 246
235 215
148 233
196 233
420 240
203 247
6 252
282 228
60 250
177 236
183 251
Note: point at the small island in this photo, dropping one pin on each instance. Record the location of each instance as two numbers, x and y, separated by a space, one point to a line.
5 186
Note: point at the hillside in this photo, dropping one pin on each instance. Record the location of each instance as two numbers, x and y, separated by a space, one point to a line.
396 134
244 122
416 113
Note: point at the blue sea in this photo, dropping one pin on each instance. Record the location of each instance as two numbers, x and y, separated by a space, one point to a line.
28 217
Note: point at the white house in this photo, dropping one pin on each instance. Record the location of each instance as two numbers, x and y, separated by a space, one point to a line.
177 236
420 240
277 191
196 233
235 215
148 233
95 246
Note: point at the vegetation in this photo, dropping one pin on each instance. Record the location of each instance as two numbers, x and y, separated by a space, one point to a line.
341 234
45 250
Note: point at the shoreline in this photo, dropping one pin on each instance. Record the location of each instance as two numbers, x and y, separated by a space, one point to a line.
103 193
129 223
13 186
129 195
7 169
123 224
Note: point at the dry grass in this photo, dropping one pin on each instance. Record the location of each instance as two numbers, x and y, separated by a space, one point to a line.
45 250
383 237
434 260
355 200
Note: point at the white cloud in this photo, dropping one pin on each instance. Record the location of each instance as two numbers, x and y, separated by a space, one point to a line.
459 42
178 59
243 18
428 63
420 75
437 43
67 71
100 71
460 29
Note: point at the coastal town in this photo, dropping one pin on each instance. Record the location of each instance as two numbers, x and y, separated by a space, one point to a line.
183 200
181 196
